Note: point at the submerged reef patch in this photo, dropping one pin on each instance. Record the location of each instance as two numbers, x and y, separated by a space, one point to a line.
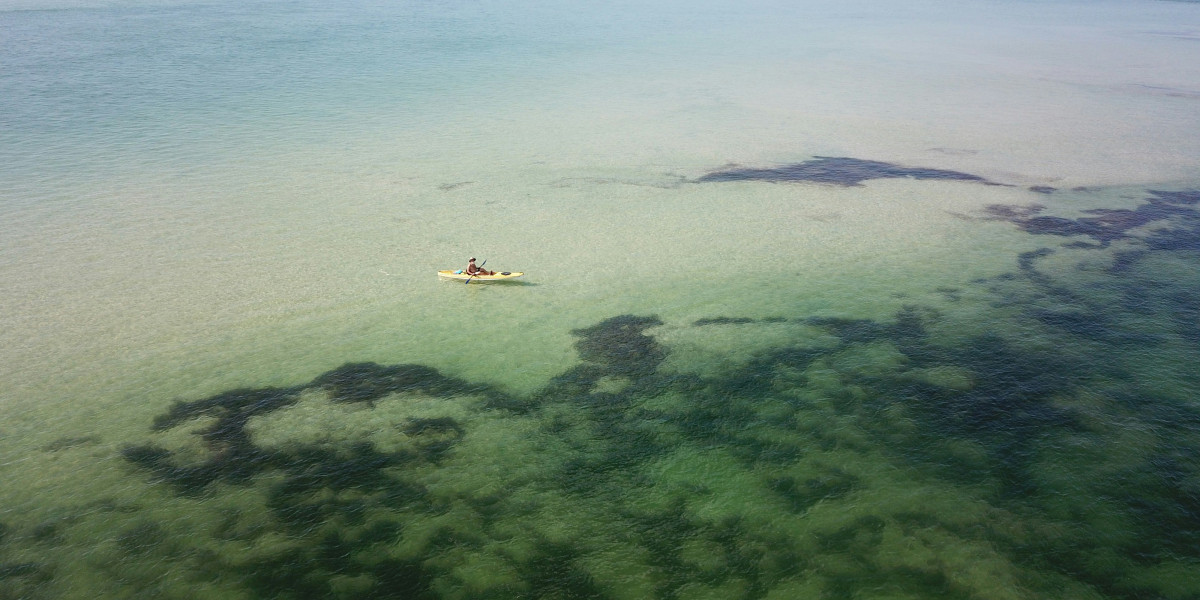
620 346
65 443
893 457
368 382
842 171
234 457
1113 224
8 570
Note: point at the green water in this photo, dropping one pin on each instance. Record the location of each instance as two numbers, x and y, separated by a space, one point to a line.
1029 434
227 369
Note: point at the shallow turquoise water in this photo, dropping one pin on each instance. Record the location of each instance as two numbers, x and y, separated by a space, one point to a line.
953 358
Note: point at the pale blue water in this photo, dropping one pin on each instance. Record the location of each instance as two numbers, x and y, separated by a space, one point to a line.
193 81
822 299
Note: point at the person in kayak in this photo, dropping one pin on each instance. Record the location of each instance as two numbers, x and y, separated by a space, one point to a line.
475 271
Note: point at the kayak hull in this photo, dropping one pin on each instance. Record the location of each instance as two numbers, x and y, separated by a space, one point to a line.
462 276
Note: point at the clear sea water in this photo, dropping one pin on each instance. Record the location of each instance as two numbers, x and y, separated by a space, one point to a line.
821 300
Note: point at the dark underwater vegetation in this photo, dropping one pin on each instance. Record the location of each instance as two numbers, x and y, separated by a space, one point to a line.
1109 225
835 170
1051 454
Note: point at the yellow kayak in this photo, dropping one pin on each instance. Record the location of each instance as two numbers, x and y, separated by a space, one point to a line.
461 275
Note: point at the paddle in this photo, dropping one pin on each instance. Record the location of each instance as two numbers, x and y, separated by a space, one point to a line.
473 274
